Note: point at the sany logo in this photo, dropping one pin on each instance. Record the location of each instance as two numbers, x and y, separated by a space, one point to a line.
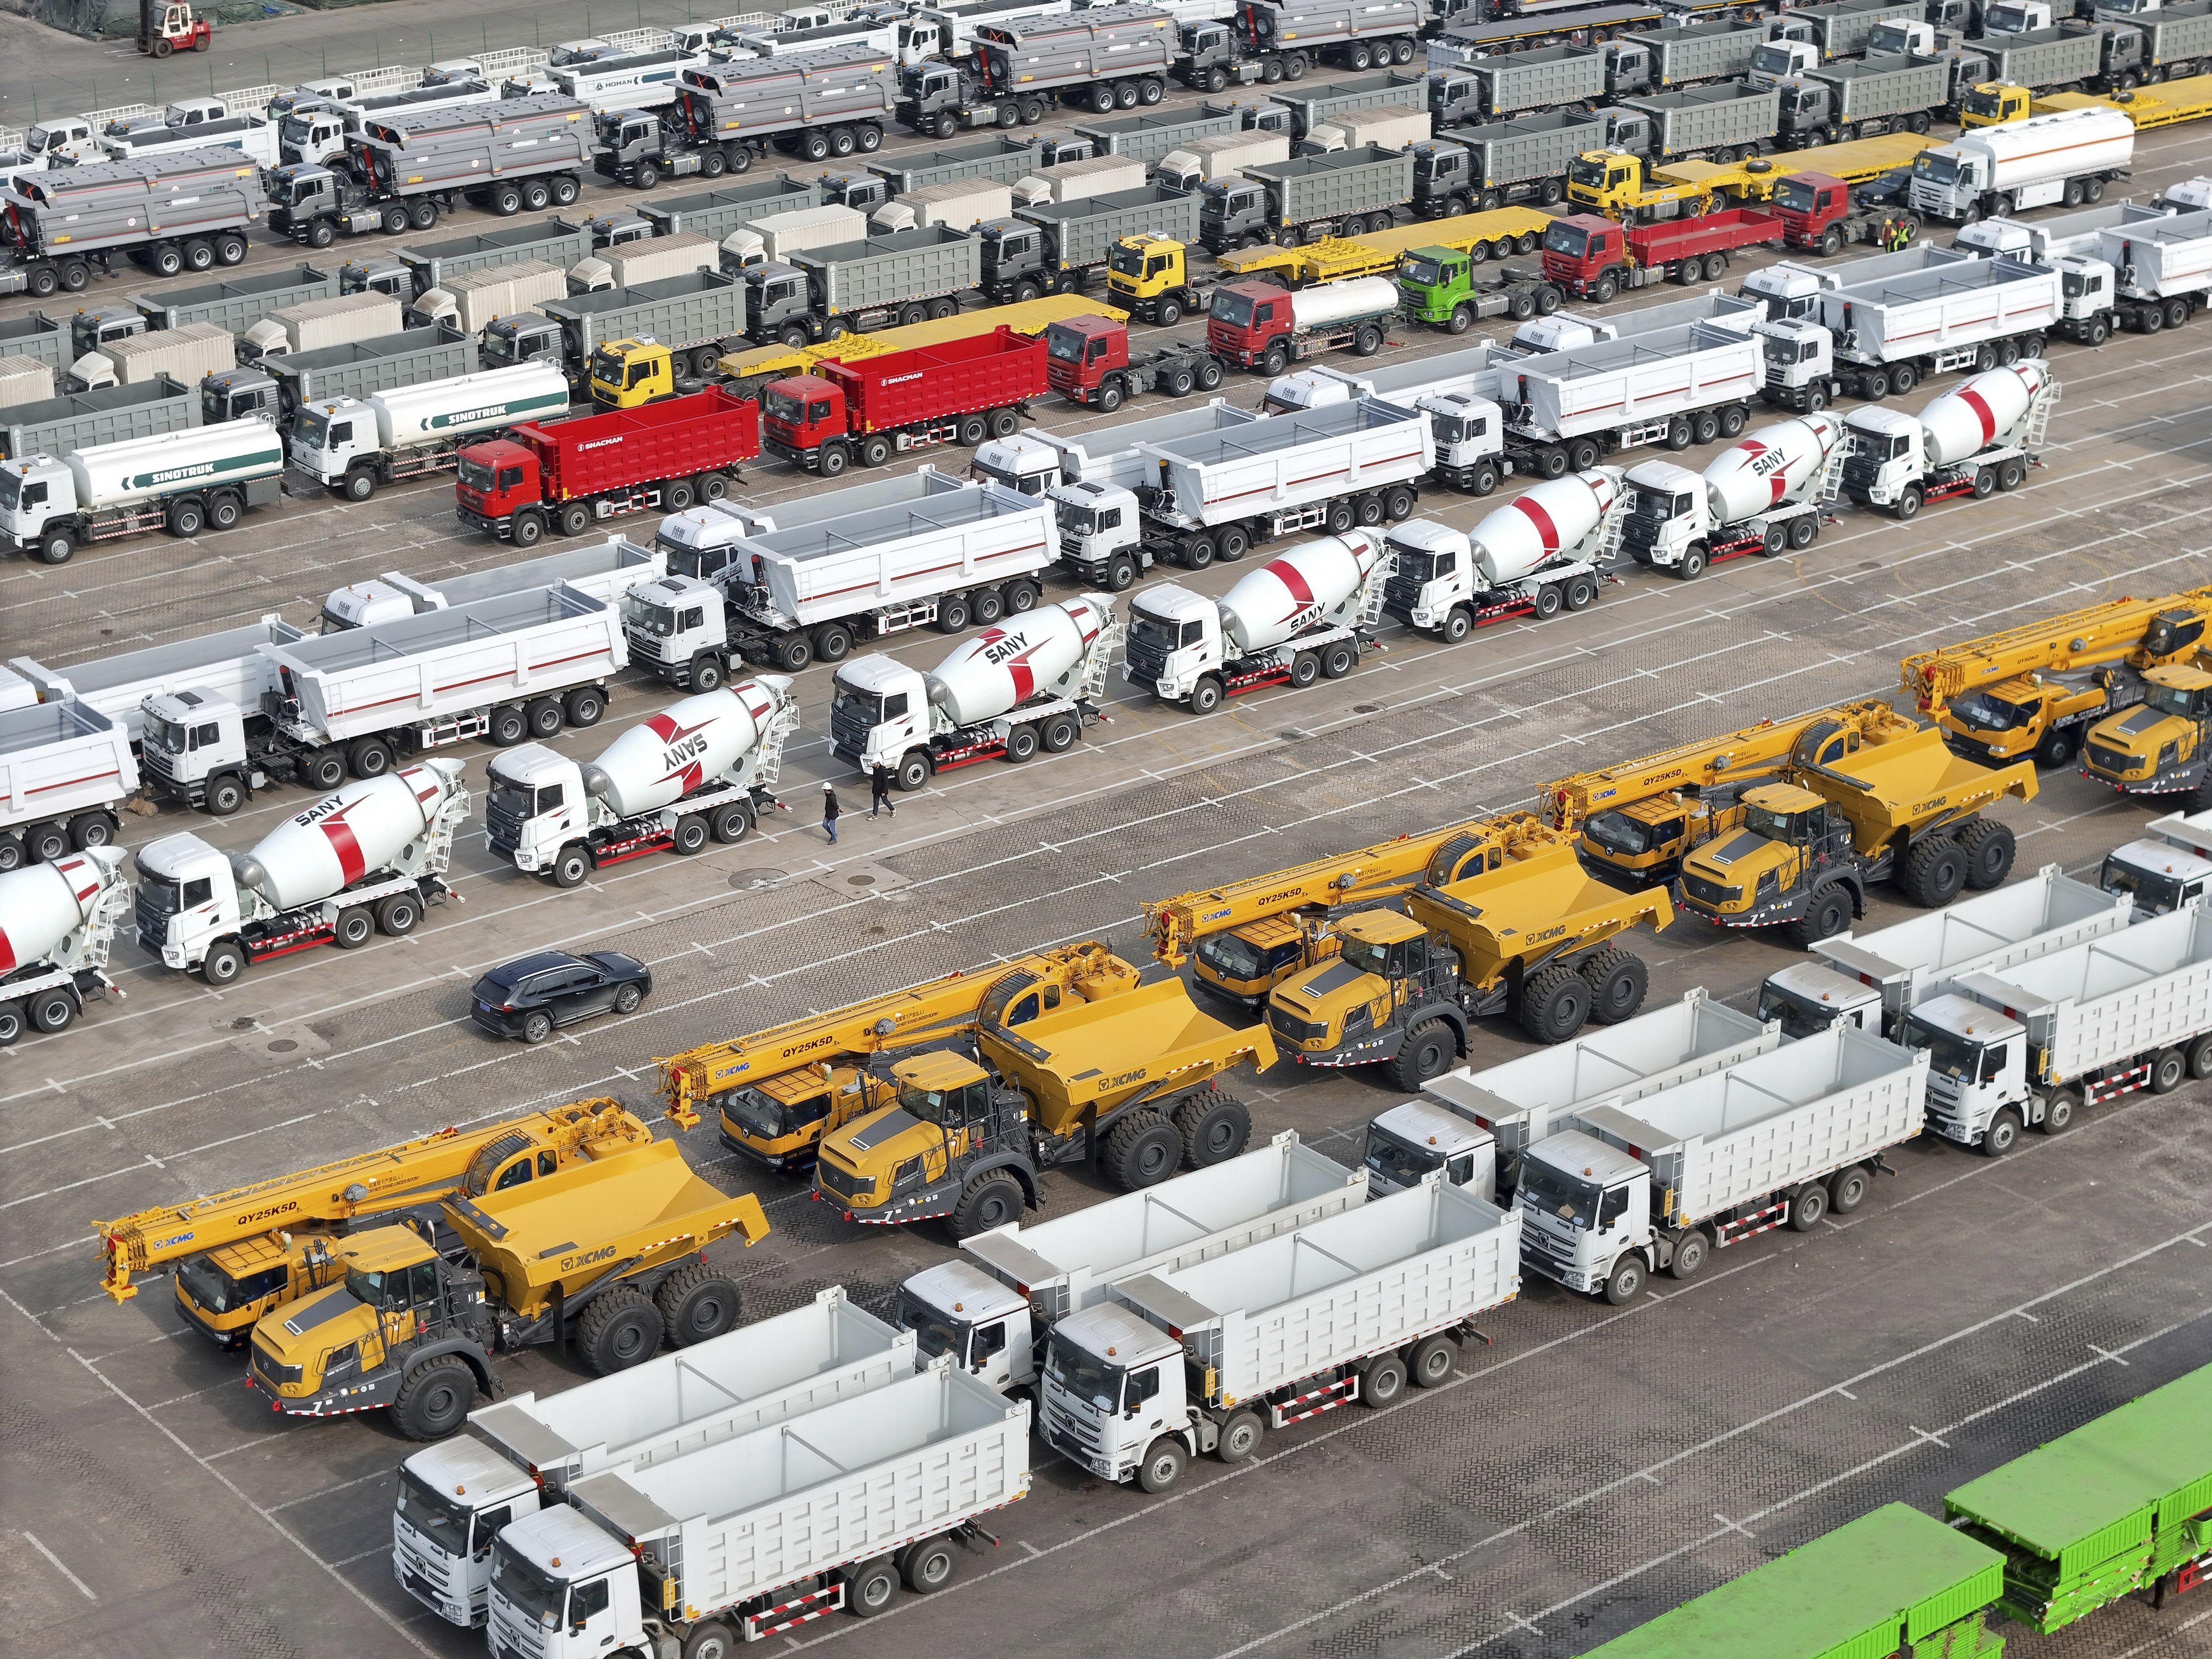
1012 652
330 817
685 747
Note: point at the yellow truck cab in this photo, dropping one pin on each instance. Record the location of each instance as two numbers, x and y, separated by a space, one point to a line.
1150 275
779 1120
628 373
1994 104
1645 842
1243 965
2163 745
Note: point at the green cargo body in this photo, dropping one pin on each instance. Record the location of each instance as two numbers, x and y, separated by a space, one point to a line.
2110 1509
1863 1591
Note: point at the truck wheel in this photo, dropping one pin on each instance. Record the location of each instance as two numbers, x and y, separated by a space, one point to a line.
166 260
537 196
545 719
832 459
322 769
321 234
1338 659
354 928
368 757
1618 980
2002 1134
55 547
11 1022
1209 374
394 220
690 834
1367 342
2057 1112
48 842
508 727
1705 427
1427 1052
571 867
199 254
398 915
434 1398
358 484
912 771
696 1303
187 518
1021 744
1214 1127
710 1639
930 1565
1384 1383
1555 1004
875 450
1827 915
706 671
42 282
1692 565
1907 505
2200 1059
11 852
1581 592
421 214
1306 669
1458 623
952 613
1060 732
506 201
1274 360
1848 1188
622 1328
2167 1071
1025 291
1122 573
1934 871
97 828
730 824
1109 398
52 1011
1463 318
224 963
528 528
1989 848
1165 1459
1205 697
991 1201
1240 1436
1807 1205
1142 1150
225 795
1606 287
1625 1282
1032 110
871 1589
1691 1252
584 705
974 429
1003 422
1182 380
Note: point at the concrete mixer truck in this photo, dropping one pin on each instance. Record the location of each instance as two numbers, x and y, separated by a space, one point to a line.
1540 553
1764 496
1031 683
1308 614
367 858
352 445
1975 439
57 921
704 766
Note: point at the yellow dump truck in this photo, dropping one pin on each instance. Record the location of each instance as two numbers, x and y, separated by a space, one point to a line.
610 1256
1125 1082
1533 939
239 1253
1896 804
2163 745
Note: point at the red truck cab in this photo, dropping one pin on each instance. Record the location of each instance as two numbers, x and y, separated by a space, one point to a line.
870 408
1081 352
1580 249
1245 319
799 413
496 478
1809 205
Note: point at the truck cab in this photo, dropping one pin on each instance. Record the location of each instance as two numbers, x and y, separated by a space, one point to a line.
1797 362
629 374
779 305
1812 206
454 1498
864 192
1082 352
1101 530
1232 213
2162 744
535 803
1581 251
799 414
1885 455
310 134
780 1121
1994 104
563 1587
374 276
880 709
1444 178
527 337
193 748
1112 1385
1433 577
1977 1066
676 629
2159 875
187 899
1807 999
1143 272
957 1308
1411 1140
1175 636
1787 289
65 137
495 480
1780 59
1786 835
94 326
237 394
1585 1205
1390 972
1021 462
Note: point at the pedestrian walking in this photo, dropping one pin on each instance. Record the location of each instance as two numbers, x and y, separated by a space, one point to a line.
829 810
880 791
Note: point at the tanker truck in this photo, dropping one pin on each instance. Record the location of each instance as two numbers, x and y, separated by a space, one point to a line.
1266 328
202 479
1764 496
1975 439
57 921
703 767
1306 613
1032 682
351 446
1537 554
367 858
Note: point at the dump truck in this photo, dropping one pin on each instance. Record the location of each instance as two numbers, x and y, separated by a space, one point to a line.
1000 160
62 916
1536 938
1522 159
1150 137
521 1455
1072 181
1896 805
1833 103
52 506
626 346
2164 269
1048 1098
1061 248
992 1308
1098 58
1616 1193
1652 60
747 370
1287 202
87 420
1473 1125
608 1255
1272 40
1385 126
351 447
236 303
226 664
812 105
475 300
727 207
753 1537
556 242
607 572
64 769
1766 495
1200 160
860 286
1977 440
37 337
186 211
1521 83
869 411
1212 1357
1456 391
1038 460
1595 258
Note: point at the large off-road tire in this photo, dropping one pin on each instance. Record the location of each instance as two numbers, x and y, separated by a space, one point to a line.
1554 1004
1934 871
1618 980
696 1303
1142 1150
1214 1127
992 1201
622 1328
1427 1052
1989 848
434 1398
1826 914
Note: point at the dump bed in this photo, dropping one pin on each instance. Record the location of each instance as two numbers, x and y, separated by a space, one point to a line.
718 212
1912 780
235 303
1768 1123
105 415
988 371
35 335
1149 136
1291 460
1892 84
1647 376
2166 257
1080 234
1960 303
1099 1054
1498 921
120 205
677 311
605 572
680 1402
1109 42
1529 146
56 758
1698 51
1315 104
1376 1277
1114 455
1694 118
892 271
595 452
1308 187
1000 161
1708 232
432 264
230 665
384 364
1542 79
1924 956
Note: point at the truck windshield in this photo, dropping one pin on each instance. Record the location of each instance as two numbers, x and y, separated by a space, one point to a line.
1950 1055
655 622
534 1594
11 485
433 1513
1427 273
163 737
1800 1018
1063 345
1984 711
297 129
935 1331
1765 822
857 708
1794 195
2005 20
1936 167
1234 309
1588 172
1570 239
1422 566
1158 634
1618 833
1985 101
1367 957
1545 1187
476 476
213 1290
310 431
512 799
782 406
1231 958
2154 892
1083 1373
1770 60
1399 1162
2171 700
1126 261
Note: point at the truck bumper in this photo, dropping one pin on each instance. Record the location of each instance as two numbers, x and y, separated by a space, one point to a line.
1166 690
448 1607
502 528
374 1394
810 459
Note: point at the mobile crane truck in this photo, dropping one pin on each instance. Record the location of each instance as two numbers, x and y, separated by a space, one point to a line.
610 1256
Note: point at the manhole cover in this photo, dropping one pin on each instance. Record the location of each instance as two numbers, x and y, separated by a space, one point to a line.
1366 708
282 1046
1869 564
860 881
757 881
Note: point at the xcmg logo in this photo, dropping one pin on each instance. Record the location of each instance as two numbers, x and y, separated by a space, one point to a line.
570 1263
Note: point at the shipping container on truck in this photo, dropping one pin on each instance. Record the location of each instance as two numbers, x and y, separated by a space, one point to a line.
1095 59
66 768
475 300
870 409
236 303
862 286
556 242
1310 106
1061 247
85 420
170 214
317 325
719 211
229 664
1306 197
187 354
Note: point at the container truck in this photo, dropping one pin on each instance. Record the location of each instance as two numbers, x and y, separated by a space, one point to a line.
236 303
187 212
475 300
352 446
2163 268
1106 58
1616 1193
386 363
1201 161
521 1455
706 766
556 242
764 1532
2070 157
646 260
563 477
1975 440
229 665
62 916
719 211
65 768
1688 383
1766 495
870 408
365 859
862 286
185 482
1540 553
314 324
780 237
1266 328
187 354
1061 247
1306 197
1211 1357
606 573
24 381
82 420
812 105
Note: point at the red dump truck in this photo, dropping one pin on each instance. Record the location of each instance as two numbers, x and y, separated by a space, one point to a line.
870 408
567 475
1595 258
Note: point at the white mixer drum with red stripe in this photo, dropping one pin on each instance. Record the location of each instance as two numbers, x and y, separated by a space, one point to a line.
42 904
1769 467
1005 665
666 755
361 830
1987 409
1295 589
1550 520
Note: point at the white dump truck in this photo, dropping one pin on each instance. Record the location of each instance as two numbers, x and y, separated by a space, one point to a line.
1035 461
472 300
704 766
606 572
762 1533
1874 979
1031 683
1474 1124
2034 1043
366 860
2164 268
64 767
2069 156
230 664
203 477
1540 553
1615 1194
1308 614
522 1454
351 446
57 921
992 1309
1977 440
1209 1358
1458 390
1765 495
2165 870
519 666
1689 383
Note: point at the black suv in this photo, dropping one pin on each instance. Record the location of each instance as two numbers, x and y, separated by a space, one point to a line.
531 995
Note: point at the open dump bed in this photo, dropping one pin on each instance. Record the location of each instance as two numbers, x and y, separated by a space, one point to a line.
1100 1052
1645 376
1960 303
1534 906
229 664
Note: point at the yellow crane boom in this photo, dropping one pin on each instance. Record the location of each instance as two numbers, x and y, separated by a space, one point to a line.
2139 633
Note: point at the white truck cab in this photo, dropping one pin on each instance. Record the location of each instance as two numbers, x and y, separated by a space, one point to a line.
540 795
956 1309
1020 463
1113 1384
1886 451
1774 61
1795 354
1411 1139
2165 871
1976 1066
1182 628
66 138
886 705
1098 521
454 1498
676 628
1787 289
1807 999
1583 1204
187 898
1434 572
191 743
561 1588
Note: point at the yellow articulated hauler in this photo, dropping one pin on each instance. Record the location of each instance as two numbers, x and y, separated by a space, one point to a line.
1124 1079
239 1253
610 1256
2163 745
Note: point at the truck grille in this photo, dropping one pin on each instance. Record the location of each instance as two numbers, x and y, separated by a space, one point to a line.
1285 1023
272 1373
2101 759
843 1182
1063 1430
152 917
1401 594
503 830
1534 1241
1640 532
847 733
1860 474
1146 662
1709 892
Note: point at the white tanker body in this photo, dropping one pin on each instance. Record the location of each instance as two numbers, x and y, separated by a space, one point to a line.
1763 495
201 478
57 921
1978 438
1030 682
1534 556
704 766
368 858
353 445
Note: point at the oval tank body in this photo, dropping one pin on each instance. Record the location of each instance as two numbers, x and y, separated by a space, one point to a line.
1775 464
134 468
1297 589
1003 666
1986 410
358 832
42 904
1319 308
685 747
1541 523
470 403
